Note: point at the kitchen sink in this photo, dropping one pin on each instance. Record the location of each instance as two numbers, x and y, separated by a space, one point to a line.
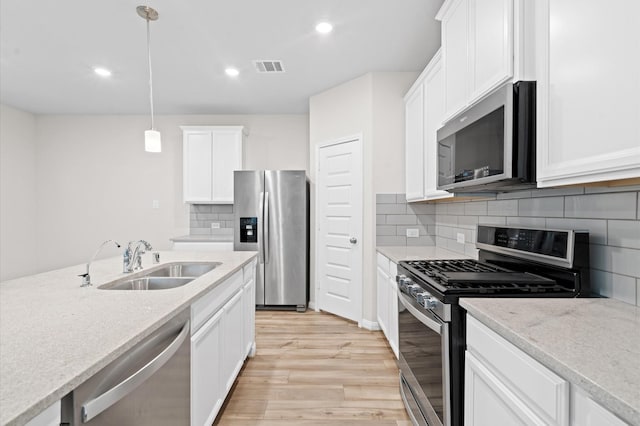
183 269
148 283
168 276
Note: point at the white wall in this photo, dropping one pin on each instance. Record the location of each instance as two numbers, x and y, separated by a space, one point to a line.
17 192
93 181
370 105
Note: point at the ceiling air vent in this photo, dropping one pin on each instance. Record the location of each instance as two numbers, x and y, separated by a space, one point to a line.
269 66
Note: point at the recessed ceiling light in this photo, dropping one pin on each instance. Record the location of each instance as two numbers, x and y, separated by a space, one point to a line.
232 72
102 72
324 27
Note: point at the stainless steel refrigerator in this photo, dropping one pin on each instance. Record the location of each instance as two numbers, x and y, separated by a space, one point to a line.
271 209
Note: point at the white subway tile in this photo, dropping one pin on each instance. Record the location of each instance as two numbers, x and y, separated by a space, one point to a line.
541 207
624 233
502 208
602 206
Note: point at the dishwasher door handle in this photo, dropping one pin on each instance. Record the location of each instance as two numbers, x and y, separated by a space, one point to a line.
94 407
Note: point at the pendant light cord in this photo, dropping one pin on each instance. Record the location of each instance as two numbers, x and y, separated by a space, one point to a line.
150 73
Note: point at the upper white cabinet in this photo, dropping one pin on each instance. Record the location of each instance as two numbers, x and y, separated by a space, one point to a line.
433 115
588 93
210 156
414 143
477 49
424 108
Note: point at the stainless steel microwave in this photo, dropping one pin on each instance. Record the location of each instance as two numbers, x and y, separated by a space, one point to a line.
492 145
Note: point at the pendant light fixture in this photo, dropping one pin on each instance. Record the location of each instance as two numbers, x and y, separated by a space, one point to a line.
152 142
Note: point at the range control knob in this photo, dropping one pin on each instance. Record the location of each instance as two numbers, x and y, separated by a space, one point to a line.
426 300
400 278
413 289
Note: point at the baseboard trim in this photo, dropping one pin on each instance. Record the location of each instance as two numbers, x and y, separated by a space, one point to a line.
369 325
312 306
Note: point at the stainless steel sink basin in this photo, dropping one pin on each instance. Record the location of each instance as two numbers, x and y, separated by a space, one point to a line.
148 283
183 269
167 276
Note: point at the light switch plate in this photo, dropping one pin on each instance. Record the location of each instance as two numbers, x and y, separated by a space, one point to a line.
460 237
215 225
413 233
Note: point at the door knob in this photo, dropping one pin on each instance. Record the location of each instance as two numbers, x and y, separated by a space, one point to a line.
353 240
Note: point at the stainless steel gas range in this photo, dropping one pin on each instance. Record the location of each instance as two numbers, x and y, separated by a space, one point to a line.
513 262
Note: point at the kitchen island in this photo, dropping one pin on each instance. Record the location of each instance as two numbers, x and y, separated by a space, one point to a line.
594 344
54 334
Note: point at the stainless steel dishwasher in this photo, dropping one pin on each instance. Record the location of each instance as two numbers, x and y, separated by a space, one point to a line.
148 385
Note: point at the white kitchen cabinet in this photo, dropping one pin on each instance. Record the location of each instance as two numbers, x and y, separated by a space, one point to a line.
588 91
207 392
249 307
392 329
477 49
414 143
49 417
210 156
219 328
424 109
455 35
387 300
586 412
503 385
233 354
433 115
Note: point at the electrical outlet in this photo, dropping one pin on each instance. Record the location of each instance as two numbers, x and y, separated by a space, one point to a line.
460 237
215 225
155 204
413 233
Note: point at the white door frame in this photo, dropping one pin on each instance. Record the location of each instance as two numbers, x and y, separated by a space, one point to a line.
346 139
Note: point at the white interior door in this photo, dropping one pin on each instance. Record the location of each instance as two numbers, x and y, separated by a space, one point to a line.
339 223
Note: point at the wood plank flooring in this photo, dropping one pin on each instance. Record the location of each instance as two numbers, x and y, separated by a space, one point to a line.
315 369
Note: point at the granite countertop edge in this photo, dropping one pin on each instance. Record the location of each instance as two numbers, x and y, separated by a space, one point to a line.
605 397
18 412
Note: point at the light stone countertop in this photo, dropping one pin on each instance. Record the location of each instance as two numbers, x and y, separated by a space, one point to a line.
398 253
211 238
55 334
592 343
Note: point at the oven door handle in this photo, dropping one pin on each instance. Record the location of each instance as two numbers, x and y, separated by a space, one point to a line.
429 322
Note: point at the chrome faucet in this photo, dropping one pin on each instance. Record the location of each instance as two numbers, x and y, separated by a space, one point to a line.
132 257
86 278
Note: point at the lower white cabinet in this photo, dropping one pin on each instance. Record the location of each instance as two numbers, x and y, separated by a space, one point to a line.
502 381
505 386
49 417
249 307
387 300
222 331
586 412
207 393
232 349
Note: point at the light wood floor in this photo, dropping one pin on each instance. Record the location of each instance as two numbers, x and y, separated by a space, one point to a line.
315 369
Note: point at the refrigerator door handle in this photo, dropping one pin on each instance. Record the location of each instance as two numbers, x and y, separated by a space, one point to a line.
265 229
261 237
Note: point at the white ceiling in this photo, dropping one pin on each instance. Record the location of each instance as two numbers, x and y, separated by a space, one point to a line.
48 50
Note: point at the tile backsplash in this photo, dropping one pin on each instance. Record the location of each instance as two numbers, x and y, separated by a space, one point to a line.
203 215
611 215
394 216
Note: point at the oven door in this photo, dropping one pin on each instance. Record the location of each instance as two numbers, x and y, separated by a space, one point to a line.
424 363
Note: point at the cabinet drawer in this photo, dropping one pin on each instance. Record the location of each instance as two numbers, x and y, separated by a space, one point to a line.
383 263
535 384
210 303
